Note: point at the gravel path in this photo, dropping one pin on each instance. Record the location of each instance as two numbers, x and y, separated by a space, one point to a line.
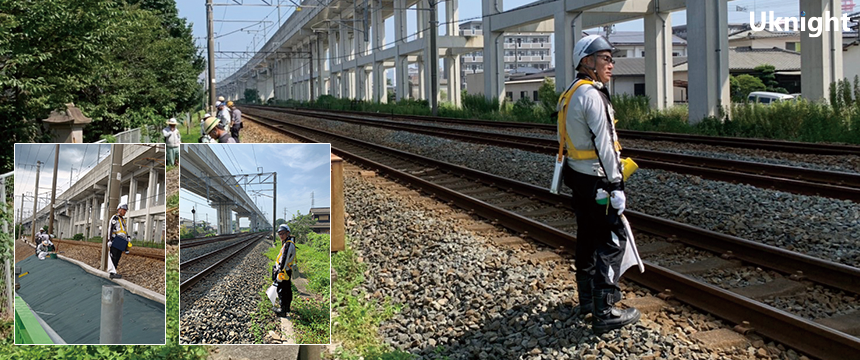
821 227
217 310
467 299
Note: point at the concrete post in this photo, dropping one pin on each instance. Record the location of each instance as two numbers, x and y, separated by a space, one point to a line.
150 202
113 193
494 53
337 205
568 30
110 330
708 55
401 72
378 73
659 73
94 211
332 55
821 57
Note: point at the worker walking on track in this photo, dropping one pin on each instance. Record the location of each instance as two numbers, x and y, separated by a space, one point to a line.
215 130
236 116
118 241
593 170
172 139
283 272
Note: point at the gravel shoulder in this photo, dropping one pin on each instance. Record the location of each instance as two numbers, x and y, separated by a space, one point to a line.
463 297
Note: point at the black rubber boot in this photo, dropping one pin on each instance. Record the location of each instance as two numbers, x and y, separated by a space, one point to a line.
606 316
583 288
278 311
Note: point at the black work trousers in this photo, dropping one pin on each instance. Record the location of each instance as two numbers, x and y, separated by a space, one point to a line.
234 131
285 292
598 251
115 254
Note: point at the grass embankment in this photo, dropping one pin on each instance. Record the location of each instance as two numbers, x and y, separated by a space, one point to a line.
172 350
356 325
837 120
310 314
191 132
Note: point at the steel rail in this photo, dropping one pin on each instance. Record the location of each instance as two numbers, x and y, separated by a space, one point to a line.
802 334
747 143
187 284
213 253
208 240
839 185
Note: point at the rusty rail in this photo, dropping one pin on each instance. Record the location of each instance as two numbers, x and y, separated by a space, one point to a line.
187 284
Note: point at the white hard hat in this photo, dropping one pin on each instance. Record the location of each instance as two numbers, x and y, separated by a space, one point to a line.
172 121
122 206
206 116
588 46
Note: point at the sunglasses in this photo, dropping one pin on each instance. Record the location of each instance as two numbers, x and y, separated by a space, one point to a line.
606 58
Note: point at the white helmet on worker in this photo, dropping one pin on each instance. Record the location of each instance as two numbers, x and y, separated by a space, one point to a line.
41 230
172 121
122 206
283 227
589 45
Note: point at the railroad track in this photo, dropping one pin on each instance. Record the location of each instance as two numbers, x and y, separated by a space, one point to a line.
196 268
746 143
151 253
206 240
535 213
832 184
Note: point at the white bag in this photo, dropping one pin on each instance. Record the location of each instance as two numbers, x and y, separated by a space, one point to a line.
272 292
556 175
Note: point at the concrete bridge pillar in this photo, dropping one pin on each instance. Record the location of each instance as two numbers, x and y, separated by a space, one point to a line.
494 53
821 57
708 55
150 202
659 69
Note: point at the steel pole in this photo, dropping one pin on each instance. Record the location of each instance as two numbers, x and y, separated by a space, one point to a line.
110 329
211 36
434 60
113 195
275 207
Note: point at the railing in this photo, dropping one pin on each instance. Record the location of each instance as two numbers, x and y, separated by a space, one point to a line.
134 136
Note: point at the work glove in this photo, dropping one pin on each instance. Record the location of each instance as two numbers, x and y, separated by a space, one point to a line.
618 200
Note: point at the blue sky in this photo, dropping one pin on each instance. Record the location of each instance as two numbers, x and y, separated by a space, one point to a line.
302 169
241 30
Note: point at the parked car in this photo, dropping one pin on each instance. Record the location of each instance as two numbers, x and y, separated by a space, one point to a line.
766 97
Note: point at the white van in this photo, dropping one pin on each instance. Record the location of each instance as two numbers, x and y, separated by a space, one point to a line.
766 97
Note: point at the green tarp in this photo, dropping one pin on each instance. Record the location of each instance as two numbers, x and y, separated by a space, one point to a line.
69 300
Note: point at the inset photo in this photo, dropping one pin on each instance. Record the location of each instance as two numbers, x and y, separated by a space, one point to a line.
89 244
255 260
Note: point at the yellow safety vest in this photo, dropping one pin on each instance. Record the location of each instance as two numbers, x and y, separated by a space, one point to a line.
282 276
566 143
121 222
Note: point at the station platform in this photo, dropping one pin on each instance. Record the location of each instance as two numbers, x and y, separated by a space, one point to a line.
68 299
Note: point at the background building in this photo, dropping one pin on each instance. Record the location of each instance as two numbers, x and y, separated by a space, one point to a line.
524 52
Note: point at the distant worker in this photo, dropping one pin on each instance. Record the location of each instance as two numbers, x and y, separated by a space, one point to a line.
118 241
172 139
43 236
223 114
593 170
42 250
204 137
283 273
236 116
215 130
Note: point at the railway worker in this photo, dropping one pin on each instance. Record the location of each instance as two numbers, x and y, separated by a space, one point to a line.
118 241
42 250
223 114
172 139
593 167
284 269
204 137
215 130
236 116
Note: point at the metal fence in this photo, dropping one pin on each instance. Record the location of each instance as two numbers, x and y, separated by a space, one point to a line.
135 136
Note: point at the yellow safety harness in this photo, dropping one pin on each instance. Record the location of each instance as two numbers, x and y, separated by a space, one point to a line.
627 164
282 276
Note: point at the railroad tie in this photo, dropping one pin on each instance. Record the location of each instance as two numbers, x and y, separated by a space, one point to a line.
721 339
705 265
777 287
847 323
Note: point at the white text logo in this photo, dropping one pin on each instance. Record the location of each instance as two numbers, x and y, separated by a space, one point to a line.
814 24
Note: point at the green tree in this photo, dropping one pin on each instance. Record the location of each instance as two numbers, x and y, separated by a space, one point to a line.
767 74
300 226
252 96
742 85
547 96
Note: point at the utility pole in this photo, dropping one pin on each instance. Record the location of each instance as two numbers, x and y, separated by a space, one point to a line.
211 36
311 62
53 190
194 221
434 59
35 202
113 192
275 207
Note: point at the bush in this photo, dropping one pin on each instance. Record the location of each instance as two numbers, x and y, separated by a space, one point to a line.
78 236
